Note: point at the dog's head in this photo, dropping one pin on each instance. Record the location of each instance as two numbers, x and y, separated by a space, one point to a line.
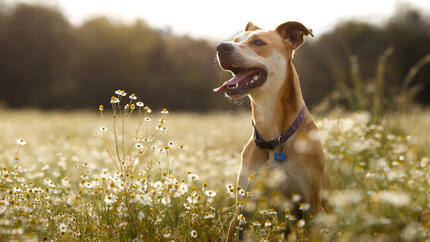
257 58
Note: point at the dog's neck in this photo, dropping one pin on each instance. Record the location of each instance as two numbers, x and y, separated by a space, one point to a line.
274 112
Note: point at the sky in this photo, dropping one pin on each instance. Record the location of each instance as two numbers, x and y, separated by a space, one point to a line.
221 19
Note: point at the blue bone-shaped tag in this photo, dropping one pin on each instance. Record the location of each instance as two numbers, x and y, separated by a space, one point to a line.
280 156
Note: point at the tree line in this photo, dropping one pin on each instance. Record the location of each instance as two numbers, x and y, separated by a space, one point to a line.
46 62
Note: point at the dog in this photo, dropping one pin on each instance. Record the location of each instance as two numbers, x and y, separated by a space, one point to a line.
285 135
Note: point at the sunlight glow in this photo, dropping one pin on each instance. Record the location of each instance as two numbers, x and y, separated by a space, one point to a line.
222 18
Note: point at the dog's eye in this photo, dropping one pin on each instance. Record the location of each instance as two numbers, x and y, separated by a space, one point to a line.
258 42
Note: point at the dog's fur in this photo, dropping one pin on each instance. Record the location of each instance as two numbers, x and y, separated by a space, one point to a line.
275 105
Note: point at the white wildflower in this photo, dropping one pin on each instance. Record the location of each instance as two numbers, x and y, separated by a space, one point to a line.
210 193
193 233
21 141
110 198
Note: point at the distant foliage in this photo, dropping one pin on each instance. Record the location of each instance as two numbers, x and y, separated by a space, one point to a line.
48 63
326 62
45 62
374 94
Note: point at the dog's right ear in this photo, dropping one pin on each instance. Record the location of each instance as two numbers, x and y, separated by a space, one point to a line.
251 27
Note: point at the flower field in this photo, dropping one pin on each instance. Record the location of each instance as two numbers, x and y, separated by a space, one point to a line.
149 175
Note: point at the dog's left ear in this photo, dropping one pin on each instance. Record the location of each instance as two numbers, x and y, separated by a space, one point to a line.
293 33
251 27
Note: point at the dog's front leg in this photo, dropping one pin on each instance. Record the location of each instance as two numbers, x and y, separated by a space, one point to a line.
252 159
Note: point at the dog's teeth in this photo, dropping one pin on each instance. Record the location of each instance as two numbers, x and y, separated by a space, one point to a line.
237 84
255 77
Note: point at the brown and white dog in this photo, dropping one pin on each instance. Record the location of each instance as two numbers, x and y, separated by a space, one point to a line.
262 64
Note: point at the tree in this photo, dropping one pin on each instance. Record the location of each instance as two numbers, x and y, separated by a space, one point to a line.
37 55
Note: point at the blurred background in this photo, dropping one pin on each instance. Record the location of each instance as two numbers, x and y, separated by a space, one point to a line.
71 54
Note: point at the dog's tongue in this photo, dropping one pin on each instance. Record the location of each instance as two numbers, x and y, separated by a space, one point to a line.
236 79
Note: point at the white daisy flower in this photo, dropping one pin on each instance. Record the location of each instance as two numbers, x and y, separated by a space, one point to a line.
132 96
209 215
193 177
304 206
193 233
230 188
210 193
164 111
241 219
114 100
21 141
138 146
296 197
110 198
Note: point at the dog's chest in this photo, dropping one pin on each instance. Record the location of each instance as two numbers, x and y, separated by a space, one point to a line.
282 155
286 173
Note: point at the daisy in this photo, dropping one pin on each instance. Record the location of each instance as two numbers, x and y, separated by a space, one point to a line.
304 206
114 100
138 146
209 215
210 193
267 224
192 177
164 111
301 223
21 141
256 224
110 198
193 233
167 234
241 219
132 96
183 188
121 92
296 198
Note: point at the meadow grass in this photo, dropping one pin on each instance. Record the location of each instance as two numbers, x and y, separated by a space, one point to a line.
67 176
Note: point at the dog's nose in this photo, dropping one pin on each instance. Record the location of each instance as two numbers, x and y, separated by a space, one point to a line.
225 48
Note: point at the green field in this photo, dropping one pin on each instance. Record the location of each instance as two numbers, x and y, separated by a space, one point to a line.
172 184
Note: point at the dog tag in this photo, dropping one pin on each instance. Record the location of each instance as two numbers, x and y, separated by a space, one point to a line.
280 156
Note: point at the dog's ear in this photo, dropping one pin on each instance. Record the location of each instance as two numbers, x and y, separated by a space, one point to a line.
251 27
293 33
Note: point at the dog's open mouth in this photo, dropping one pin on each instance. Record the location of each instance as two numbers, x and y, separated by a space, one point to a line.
243 81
